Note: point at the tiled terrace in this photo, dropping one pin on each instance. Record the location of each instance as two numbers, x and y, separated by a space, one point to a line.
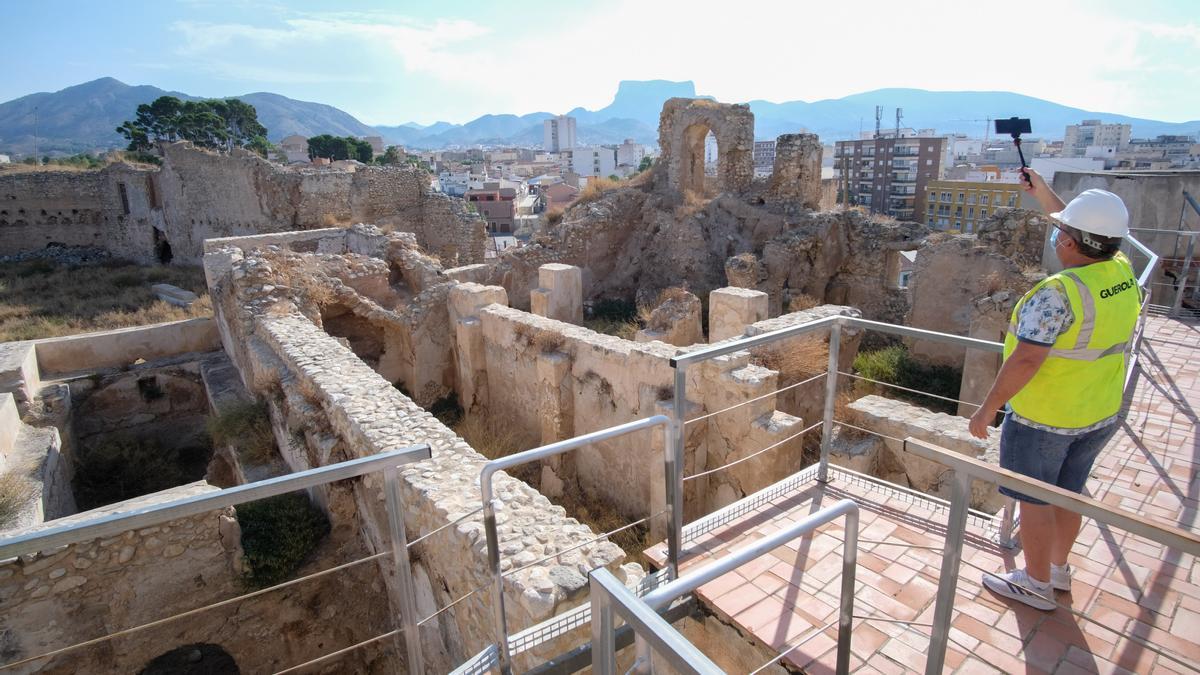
1124 582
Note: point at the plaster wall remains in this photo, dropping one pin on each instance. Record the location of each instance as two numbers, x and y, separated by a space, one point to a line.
143 214
86 590
884 456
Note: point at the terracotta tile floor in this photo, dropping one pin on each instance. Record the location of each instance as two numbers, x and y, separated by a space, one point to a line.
1124 582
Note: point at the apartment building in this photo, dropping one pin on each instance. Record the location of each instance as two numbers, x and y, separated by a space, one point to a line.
1088 133
558 134
495 204
963 205
889 175
594 161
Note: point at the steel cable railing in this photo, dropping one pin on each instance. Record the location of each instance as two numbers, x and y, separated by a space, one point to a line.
192 612
755 454
739 404
57 537
489 503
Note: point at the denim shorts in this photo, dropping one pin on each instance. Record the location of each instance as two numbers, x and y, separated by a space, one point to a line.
1057 459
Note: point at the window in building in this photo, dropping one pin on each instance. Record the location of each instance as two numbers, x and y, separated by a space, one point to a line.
1012 200
124 198
983 213
929 162
929 148
962 197
971 212
958 224
983 199
958 211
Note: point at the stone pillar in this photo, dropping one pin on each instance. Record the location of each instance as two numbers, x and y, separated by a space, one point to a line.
10 424
796 175
469 358
731 309
559 294
980 367
19 372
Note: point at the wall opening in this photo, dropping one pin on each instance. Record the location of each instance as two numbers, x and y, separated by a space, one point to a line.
162 247
364 338
137 433
693 165
193 659
124 194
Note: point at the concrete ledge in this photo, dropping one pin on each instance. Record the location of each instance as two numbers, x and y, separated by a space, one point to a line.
284 239
123 346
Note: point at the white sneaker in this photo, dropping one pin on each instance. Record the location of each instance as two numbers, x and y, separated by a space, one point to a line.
1019 586
1060 577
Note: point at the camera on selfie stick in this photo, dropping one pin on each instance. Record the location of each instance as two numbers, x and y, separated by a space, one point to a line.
1015 126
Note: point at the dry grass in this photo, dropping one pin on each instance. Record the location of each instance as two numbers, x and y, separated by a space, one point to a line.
674 293
595 189
598 514
795 360
494 441
554 216
39 299
626 330
693 202
801 302
548 342
15 491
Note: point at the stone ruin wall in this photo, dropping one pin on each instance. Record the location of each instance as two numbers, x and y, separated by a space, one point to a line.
83 591
329 406
198 195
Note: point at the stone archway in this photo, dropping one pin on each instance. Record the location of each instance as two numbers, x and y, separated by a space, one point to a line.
683 127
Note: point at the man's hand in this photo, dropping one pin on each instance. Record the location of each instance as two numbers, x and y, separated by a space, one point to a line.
980 421
1033 183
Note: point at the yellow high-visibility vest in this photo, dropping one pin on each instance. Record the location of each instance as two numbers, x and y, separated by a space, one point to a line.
1081 381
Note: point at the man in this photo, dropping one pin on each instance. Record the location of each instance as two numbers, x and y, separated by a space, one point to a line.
1063 374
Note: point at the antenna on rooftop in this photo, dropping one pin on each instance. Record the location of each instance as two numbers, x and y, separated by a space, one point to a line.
878 118
899 116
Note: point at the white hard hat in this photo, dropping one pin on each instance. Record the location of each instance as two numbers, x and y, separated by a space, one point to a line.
1098 212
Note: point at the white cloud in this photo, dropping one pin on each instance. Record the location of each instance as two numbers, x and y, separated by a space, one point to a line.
1067 51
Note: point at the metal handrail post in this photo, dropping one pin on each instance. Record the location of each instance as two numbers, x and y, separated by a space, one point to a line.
846 601
1006 523
831 376
403 564
675 472
943 612
489 510
1177 305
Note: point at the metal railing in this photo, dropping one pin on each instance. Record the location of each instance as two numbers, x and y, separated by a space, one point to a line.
489 513
609 597
964 469
116 523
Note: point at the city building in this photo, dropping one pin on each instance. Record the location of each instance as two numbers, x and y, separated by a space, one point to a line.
962 205
558 133
889 175
295 148
594 161
495 204
1079 137
764 158
557 195
630 154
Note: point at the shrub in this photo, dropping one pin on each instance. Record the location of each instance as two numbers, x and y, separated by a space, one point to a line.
278 534
895 365
614 309
247 427
447 410
554 216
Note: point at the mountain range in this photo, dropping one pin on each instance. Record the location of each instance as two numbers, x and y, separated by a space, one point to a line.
84 117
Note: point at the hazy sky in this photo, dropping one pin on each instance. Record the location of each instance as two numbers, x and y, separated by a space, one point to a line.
391 62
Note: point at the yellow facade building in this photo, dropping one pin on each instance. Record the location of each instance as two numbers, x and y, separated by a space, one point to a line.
963 205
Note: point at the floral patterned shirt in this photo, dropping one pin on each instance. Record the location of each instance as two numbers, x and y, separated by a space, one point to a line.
1045 316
